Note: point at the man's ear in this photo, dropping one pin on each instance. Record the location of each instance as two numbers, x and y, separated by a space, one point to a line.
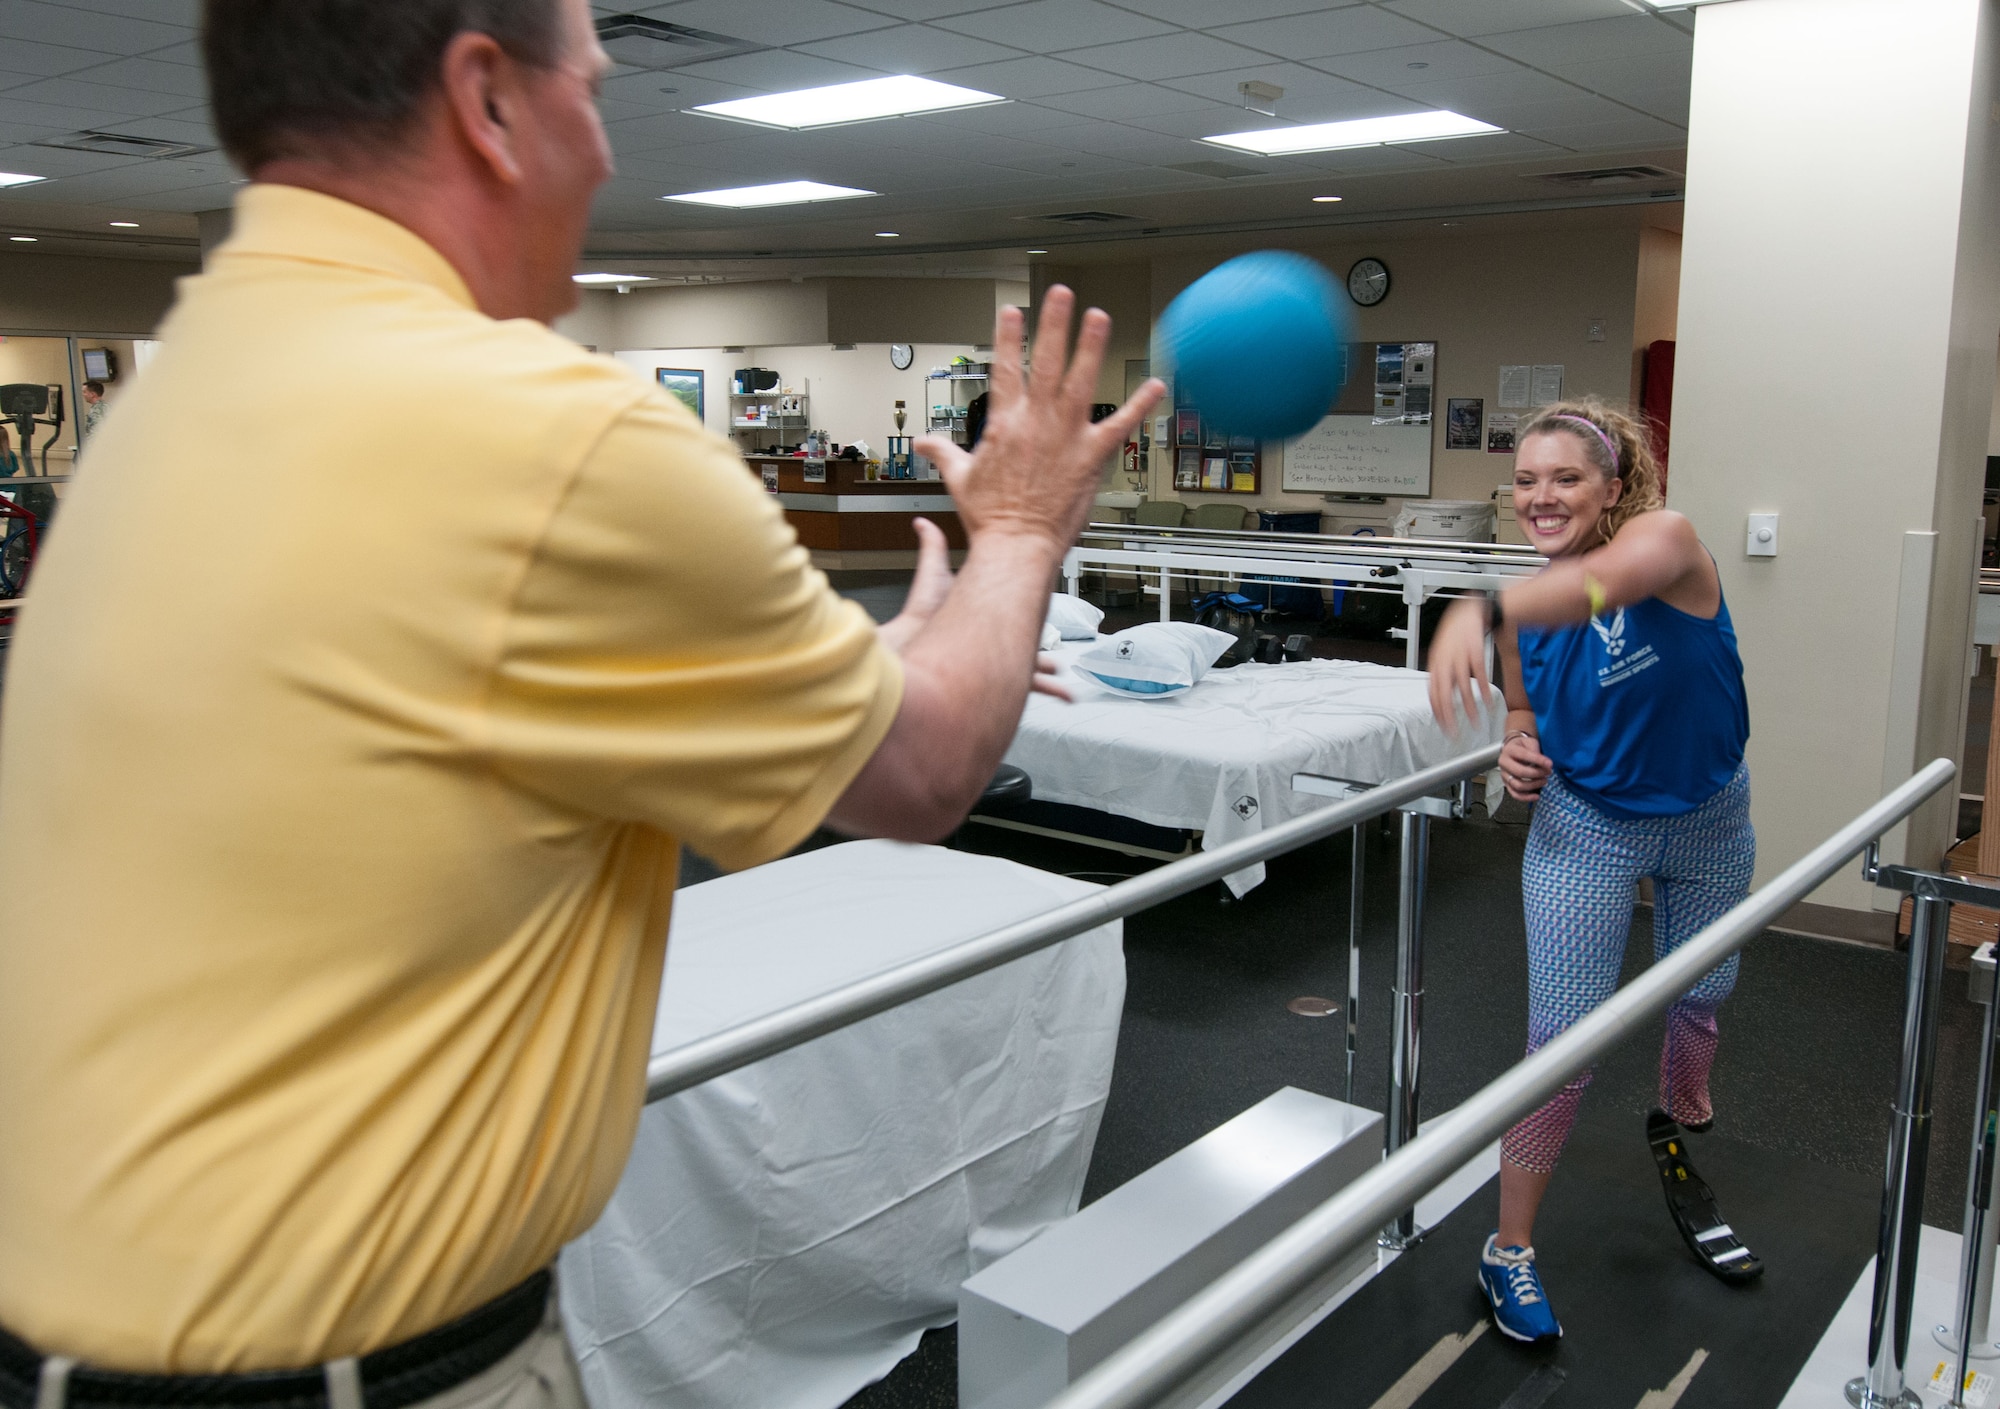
480 96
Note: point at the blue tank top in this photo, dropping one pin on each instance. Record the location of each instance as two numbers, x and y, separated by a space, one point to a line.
1642 710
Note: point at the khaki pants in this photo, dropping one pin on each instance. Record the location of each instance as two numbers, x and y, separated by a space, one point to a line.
539 1373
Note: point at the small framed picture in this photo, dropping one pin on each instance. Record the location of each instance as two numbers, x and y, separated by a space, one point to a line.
1187 467
1187 427
684 384
1463 415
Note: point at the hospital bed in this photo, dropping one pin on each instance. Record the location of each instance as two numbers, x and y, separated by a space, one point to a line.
783 1235
1219 760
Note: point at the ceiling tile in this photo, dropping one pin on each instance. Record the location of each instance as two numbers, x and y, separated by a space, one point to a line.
99 101
1447 58
1492 146
187 126
1310 96
1659 83
45 60
149 76
1469 18
777 71
1206 14
1562 112
1035 77
1168 56
83 29
1593 40
1006 118
664 131
922 9
669 91
188 54
1046 26
911 48
1475 95
181 12
1129 100
776 21
1349 31
1628 130
1211 121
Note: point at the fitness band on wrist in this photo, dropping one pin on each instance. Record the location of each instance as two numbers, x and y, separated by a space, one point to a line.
1517 734
1593 593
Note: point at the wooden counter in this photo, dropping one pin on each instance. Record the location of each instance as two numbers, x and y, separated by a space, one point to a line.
849 521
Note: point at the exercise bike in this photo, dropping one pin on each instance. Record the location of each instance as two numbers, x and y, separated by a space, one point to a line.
27 511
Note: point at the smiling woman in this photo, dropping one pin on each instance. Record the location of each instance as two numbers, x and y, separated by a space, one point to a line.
1626 725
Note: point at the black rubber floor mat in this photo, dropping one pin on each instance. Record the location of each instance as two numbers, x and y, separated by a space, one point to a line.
1635 1308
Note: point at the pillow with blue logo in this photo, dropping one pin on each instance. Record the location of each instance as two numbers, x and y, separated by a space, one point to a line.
1154 661
1075 618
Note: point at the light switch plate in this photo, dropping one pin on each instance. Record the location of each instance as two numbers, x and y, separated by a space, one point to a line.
1762 539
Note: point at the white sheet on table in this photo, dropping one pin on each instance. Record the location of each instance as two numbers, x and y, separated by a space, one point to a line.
783 1235
1220 757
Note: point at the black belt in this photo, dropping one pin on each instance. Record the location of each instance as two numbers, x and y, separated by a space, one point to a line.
391 1378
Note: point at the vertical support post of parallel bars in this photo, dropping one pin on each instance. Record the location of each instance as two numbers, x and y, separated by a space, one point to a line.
1903 1182
1406 1043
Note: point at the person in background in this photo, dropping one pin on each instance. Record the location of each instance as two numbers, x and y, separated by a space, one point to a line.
10 463
338 893
93 407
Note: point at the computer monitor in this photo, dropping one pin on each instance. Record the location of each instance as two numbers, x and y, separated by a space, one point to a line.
100 364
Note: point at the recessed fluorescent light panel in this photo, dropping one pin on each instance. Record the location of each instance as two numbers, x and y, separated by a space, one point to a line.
611 278
1361 132
17 178
865 101
777 193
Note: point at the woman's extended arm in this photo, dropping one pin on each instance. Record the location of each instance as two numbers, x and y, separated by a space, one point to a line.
1654 555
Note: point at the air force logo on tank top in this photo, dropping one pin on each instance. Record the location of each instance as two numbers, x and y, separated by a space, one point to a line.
1621 666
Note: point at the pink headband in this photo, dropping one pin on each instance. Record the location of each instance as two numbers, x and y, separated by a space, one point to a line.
1598 431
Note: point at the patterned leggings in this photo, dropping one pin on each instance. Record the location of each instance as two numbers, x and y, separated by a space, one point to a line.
1577 889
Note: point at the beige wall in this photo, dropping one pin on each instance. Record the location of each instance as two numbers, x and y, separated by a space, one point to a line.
853 391
780 313
1656 308
61 293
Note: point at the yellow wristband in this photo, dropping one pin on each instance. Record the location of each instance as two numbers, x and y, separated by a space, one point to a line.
1593 593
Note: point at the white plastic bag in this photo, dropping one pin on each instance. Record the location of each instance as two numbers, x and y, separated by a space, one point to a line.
1155 660
1075 618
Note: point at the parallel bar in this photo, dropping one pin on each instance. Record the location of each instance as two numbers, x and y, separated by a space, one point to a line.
752 1041
1354 914
1152 1365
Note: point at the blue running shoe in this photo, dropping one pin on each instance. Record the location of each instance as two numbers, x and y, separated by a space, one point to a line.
1514 1290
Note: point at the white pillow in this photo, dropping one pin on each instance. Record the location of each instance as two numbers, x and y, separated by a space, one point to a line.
1051 638
1075 618
1155 660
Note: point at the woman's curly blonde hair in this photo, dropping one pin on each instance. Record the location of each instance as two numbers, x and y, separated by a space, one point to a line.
1634 464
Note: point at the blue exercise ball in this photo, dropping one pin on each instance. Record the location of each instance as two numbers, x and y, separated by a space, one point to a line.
1255 345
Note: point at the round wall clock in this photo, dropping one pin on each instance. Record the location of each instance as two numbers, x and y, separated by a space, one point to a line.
901 355
1368 282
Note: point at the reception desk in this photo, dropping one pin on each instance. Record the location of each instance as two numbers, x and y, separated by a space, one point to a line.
848 521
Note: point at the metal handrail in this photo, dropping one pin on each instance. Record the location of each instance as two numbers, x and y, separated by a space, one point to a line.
1181 1344
722 1052
1321 545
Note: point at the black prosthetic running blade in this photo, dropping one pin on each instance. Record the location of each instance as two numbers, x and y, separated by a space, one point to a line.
1692 1204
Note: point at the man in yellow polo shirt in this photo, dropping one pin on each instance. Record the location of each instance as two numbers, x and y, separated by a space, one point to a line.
339 828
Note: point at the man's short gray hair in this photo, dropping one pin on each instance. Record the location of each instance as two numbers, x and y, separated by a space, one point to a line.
291 78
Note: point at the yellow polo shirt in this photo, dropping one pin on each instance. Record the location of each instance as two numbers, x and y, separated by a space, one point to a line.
380 662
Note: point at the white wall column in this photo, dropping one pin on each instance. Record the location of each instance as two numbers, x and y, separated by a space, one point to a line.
1839 309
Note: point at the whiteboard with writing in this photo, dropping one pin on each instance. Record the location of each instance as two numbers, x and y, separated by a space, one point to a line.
1353 455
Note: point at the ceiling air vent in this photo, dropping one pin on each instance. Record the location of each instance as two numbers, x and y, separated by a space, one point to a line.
119 144
1604 176
641 42
1083 217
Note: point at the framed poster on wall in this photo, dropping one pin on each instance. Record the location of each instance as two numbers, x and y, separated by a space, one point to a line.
684 384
